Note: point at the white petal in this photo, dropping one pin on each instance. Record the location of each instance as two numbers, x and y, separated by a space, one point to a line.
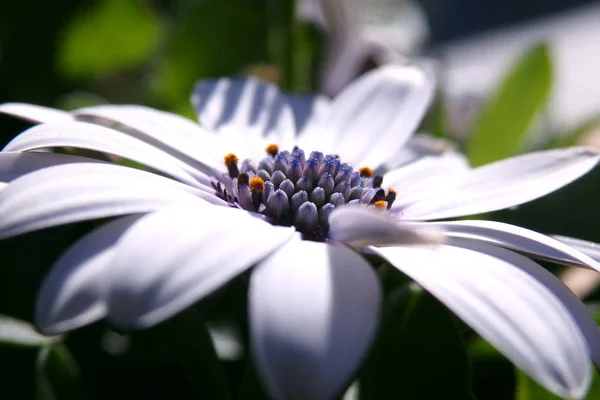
517 239
497 296
73 292
98 138
174 257
418 146
375 115
309 111
415 181
34 113
314 310
14 165
75 192
506 183
247 105
176 135
588 248
357 226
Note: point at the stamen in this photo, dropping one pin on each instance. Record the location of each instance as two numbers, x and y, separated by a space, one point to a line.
277 178
244 196
299 155
356 193
377 181
288 187
304 183
264 175
381 205
247 166
298 199
231 161
324 216
307 218
278 206
280 163
269 188
272 149
257 186
337 199
390 198
379 196
318 196
243 179
326 182
365 172
266 164
294 171
344 189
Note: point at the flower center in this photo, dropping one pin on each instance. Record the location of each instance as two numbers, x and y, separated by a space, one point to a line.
291 189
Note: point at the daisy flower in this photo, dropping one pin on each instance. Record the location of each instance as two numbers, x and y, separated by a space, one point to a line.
298 189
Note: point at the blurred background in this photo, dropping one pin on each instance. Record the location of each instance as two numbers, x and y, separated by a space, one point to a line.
513 76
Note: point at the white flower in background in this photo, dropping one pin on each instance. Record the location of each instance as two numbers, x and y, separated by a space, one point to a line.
190 224
358 30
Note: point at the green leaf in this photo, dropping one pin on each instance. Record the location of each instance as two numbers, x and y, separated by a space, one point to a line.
528 389
106 36
419 353
209 39
505 120
15 332
58 375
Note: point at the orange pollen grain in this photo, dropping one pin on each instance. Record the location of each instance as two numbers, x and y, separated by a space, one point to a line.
390 190
272 149
365 172
257 184
380 204
230 159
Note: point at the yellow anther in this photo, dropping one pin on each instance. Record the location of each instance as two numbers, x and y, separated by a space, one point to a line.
365 172
230 159
390 190
257 184
382 205
272 149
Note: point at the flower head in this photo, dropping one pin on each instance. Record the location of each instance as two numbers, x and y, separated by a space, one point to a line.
268 185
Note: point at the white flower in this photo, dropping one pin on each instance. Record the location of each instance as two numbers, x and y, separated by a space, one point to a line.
313 301
359 30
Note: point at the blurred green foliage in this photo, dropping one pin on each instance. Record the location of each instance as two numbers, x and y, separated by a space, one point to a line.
507 117
105 36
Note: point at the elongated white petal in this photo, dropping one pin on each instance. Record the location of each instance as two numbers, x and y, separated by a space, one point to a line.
248 106
588 248
314 309
15 164
75 192
97 138
576 308
309 111
174 257
73 292
357 226
417 180
498 298
176 135
418 146
506 183
517 239
35 113
378 112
